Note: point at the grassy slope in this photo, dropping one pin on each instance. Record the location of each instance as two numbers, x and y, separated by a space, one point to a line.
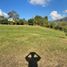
17 41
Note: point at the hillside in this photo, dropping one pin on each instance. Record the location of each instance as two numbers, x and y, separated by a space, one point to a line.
17 41
63 19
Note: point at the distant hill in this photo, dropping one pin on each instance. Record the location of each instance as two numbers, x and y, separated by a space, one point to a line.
63 19
59 20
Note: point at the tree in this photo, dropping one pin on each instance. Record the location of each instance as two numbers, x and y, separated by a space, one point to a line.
3 20
25 21
45 21
14 15
62 25
31 21
38 20
42 21
20 22
65 30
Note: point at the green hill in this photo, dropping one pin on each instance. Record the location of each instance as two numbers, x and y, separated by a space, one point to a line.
17 41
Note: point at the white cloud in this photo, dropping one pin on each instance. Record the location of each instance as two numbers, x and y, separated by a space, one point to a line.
55 15
39 2
3 13
65 11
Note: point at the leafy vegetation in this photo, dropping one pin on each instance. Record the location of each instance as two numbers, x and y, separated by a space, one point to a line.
14 19
65 30
14 15
31 22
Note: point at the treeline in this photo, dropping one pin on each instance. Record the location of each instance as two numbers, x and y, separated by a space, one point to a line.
13 19
59 25
37 20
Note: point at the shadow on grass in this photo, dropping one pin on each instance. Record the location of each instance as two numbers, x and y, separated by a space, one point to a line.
32 58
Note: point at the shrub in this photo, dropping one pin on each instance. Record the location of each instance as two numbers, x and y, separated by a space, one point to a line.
31 22
65 30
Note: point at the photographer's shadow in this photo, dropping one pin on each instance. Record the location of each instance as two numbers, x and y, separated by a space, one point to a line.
32 58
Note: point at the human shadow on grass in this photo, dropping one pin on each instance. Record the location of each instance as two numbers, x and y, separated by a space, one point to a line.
32 58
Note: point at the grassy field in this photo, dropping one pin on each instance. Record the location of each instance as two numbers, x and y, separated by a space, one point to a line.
17 41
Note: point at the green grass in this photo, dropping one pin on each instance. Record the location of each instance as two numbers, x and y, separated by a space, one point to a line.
17 41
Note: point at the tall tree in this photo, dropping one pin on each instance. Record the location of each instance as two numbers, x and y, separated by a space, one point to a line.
14 15
3 20
31 21
45 21
38 20
20 22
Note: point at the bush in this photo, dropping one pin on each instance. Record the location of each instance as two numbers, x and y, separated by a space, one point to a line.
65 30
4 21
31 22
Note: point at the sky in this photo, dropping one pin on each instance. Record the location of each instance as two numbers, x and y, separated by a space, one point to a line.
54 9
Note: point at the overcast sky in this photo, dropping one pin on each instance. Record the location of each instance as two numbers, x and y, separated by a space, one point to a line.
54 9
